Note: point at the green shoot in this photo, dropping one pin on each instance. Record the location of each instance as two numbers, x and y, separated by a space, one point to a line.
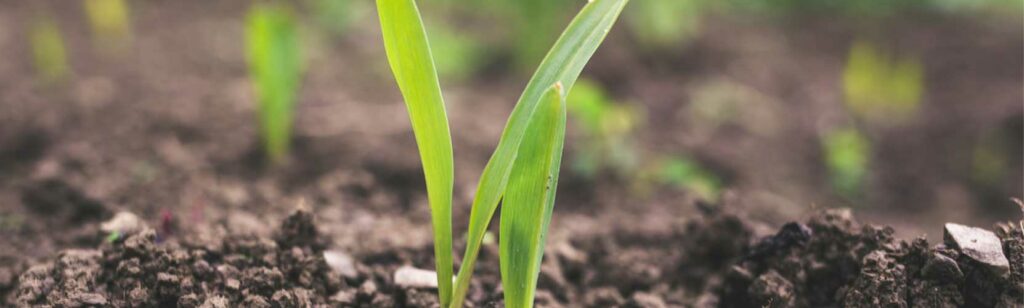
48 52
606 128
846 155
687 173
661 23
109 22
563 64
405 41
272 49
878 87
529 200
411 61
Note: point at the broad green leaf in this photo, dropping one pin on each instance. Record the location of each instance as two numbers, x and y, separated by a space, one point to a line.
563 64
412 64
529 199
272 47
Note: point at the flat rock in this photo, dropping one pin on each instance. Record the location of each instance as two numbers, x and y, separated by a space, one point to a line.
411 277
979 245
341 262
125 223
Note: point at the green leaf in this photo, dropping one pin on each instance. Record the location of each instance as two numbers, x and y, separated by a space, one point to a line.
412 64
563 64
529 200
272 47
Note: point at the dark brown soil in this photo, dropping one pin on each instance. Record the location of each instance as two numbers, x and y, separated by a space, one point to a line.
713 261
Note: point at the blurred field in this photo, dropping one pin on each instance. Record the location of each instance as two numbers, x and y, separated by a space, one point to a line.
908 111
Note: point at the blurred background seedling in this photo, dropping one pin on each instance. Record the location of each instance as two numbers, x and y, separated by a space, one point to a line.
275 70
49 54
338 16
457 55
110 23
847 154
881 88
605 128
686 173
661 24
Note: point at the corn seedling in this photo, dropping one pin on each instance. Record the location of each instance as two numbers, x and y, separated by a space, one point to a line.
48 52
272 49
661 24
687 173
523 168
878 87
109 22
606 128
846 153
337 16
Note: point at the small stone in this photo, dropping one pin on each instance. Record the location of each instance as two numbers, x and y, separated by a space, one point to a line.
216 301
344 297
124 223
603 297
645 300
368 288
411 277
979 245
341 263
942 268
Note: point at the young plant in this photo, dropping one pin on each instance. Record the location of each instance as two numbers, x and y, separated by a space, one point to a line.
48 52
523 168
109 22
879 87
272 49
847 154
606 129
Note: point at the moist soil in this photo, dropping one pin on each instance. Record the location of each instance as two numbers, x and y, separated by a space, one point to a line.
716 260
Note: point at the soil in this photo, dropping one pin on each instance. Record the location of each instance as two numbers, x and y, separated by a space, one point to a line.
716 260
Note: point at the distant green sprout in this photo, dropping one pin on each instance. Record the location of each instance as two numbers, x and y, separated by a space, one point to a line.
533 23
337 16
989 161
457 56
109 22
48 52
684 172
606 127
847 154
880 88
522 172
275 69
664 23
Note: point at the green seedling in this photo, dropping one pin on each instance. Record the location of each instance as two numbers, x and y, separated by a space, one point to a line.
48 52
109 22
684 172
458 56
847 154
275 69
661 23
606 129
877 87
523 168
337 16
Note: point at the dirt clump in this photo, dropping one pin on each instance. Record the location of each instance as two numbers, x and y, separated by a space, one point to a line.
832 261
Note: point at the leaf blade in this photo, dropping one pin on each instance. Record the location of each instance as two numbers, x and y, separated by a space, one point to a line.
408 52
563 64
529 198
